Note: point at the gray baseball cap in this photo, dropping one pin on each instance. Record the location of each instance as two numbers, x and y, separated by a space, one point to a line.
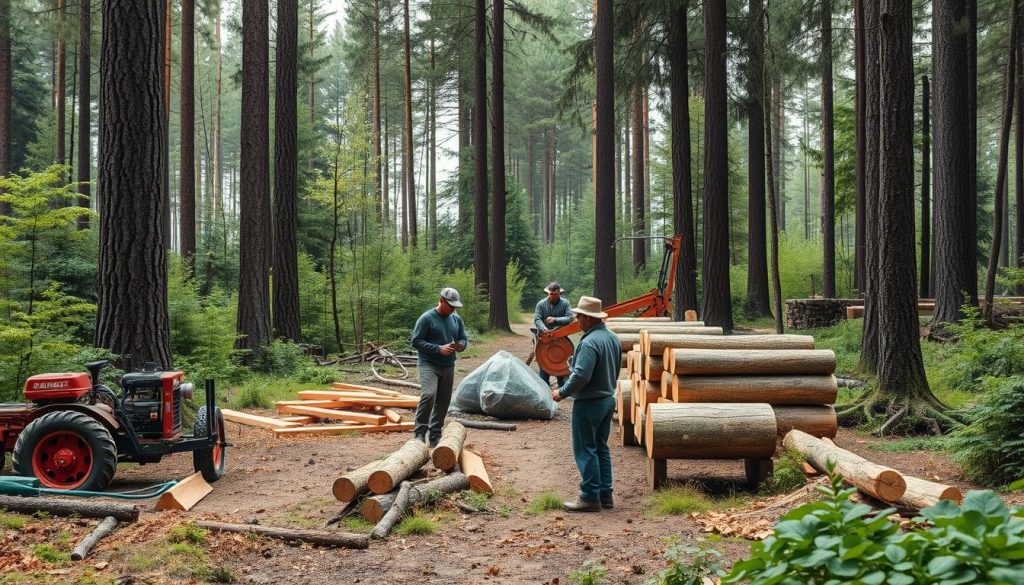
451 295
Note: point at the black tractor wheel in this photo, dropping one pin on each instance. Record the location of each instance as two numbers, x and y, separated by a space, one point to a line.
67 450
211 462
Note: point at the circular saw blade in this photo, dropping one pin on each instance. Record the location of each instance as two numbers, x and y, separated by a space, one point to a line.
553 355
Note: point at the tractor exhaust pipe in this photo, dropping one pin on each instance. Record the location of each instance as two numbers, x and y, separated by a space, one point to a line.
211 412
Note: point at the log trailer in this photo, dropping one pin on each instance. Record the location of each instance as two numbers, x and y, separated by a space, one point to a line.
74 429
553 348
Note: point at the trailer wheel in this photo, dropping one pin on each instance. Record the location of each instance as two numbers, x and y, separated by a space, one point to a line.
210 462
67 450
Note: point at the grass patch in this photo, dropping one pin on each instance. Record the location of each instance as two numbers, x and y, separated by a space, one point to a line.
912 444
416 525
50 555
12 521
475 499
217 575
262 391
357 524
679 500
787 474
543 503
189 533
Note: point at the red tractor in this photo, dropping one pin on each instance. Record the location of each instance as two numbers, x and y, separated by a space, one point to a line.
75 429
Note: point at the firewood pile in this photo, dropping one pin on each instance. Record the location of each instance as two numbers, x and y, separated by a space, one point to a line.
345 408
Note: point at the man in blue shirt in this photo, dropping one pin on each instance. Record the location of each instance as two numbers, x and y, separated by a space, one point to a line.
551 313
591 385
438 335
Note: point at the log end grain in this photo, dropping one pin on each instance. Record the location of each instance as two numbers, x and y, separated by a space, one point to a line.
890 485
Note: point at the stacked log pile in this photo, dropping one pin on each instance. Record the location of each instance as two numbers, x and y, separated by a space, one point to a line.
345 408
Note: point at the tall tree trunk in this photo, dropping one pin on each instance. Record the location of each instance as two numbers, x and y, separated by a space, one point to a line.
639 219
546 198
407 165
287 324
6 96
131 315
870 336
682 190
955 213
481 245
463 114
84 108
167 23
61 97
254 227
999 215
1018 161
218 145
925 281
498 307
379 179
807 174
773 207
604 172
758 304
828 171
627 171
386 170
716 301
432 178
531 179
187 113
779 147
859 244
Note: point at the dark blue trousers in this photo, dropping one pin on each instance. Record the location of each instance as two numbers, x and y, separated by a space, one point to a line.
591 425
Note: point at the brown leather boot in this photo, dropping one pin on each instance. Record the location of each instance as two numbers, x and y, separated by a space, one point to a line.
607 501
581 505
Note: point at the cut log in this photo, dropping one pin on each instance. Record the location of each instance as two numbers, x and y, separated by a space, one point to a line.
374 507
394 514
818 420
639 424
185 494
62 507
875 480
398 466
365 418
659 344
473 466
770 389
392 415
446 455
485 425
654 367
639 319
348 487
853 312
667 383
342 429
317 537
647 393
82 549
722 362
710 431
254 420
622 400
690 315
922 493
665 327
628 340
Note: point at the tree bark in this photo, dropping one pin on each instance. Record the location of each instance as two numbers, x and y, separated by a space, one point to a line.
828 171
187 114
785 390
407 165
604 189
317 537
639 226
374 508
955 246
132 305
869 338
758 303
497 285
66 507
61 97
682 190
86 545
717 300
432 177
713 362
925 281
663 344
817 420
254 229
446 455
398 466
860 105
287 324
773 207
166 23
875 480
379 180
1018 163
6 96
695 431
778 147
481 240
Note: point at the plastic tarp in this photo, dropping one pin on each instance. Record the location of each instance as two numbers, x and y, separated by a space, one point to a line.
504 387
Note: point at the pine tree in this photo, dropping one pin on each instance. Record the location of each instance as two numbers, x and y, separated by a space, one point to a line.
604 157
84 106
6 95
498 307
187 112
828 171
481 240
682 189
757 257
286 159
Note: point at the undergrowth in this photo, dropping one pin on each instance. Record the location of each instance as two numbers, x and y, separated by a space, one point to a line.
544 502
416 525
12 522
684 499
787 474
591 573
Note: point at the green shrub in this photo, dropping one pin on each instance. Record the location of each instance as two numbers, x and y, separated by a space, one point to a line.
980 352
544 502
787 474
50 555
416 525
187 533
704 564
591 573
989 449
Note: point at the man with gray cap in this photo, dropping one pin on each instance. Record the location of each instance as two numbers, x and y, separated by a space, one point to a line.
552 312
438 335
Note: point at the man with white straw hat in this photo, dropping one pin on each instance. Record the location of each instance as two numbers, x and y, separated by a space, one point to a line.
551 313
591 385
438 335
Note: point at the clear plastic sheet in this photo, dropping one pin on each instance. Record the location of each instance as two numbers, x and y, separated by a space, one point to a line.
504 387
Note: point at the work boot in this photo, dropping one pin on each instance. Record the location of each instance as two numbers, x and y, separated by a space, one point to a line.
607 501
420 438
581 505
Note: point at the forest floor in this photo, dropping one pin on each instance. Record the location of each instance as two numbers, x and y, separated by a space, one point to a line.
287 482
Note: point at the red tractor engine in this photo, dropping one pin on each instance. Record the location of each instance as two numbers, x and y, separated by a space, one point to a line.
47 388
152 403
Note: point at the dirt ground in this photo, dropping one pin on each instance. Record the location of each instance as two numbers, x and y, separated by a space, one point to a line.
287 482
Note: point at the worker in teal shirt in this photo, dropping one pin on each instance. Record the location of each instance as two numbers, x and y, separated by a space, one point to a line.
551 312
591 385
438 335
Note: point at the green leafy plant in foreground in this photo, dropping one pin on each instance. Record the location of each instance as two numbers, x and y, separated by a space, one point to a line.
591 573
705 563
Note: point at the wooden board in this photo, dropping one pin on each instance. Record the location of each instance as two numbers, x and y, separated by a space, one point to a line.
186 494
340 429
302 420
370 389
255 420
473 466
359 398
280 404
366 418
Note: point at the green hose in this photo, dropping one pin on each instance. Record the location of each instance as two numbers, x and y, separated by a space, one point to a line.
30 486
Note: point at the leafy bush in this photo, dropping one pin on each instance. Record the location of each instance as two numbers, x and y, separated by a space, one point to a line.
591 573
989 449
704 564
981 352
838 541
787 474
416 525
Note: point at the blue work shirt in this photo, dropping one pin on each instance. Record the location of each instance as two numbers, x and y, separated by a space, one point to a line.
432 331
595 366
560 311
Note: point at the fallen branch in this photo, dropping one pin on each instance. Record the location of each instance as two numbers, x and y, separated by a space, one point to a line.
374 508
346 511
318 537
383 528
104 528
59 507
393 382
485 425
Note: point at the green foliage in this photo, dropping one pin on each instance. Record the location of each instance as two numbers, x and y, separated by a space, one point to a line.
684 499
591 573
940 443
189 533
544 502
980 352
704 564
357 524
989 449
839 541
217 575
787 474
50 555
476 499
12 522
416 525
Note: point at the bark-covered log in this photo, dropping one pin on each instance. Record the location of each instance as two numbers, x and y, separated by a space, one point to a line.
398 466
639 320
922 494
374 508
769 389
628 340
348 487
709 431
649 346
818 420
394 514
82 549
654 367
717 362
446 455
622 401
876 480
669 327
318 537
663 345
62 507
485 425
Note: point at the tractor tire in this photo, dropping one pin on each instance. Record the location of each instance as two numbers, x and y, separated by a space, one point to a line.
210 462
67 450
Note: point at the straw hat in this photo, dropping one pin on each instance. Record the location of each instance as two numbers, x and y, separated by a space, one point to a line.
590 306
554 287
